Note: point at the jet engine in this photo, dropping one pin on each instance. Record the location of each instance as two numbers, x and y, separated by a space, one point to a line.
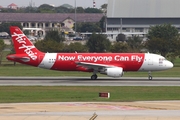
113 72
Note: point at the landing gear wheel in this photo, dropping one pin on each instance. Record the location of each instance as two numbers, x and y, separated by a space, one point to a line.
94 77
150 77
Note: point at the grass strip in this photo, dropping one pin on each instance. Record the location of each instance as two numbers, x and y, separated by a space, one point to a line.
18 94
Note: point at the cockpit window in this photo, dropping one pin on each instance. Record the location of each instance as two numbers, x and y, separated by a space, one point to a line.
161 60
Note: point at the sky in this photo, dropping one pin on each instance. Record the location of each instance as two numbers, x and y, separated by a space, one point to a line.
82 3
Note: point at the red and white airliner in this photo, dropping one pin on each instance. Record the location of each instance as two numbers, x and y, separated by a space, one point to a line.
111 64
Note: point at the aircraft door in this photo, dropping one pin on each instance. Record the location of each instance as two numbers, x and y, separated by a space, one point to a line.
150 59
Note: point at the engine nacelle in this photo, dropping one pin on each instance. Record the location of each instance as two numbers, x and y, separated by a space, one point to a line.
114 72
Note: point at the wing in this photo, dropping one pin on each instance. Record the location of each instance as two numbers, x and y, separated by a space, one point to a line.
94 66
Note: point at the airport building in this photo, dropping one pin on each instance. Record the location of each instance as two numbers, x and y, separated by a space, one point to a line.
134 17
45 21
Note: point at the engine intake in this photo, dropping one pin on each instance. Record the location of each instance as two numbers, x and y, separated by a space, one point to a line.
114 72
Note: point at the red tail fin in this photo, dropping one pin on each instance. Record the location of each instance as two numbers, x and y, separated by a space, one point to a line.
22 44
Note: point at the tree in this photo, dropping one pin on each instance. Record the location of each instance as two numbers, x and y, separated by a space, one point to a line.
98 43
54 35
88 27
104 6
176 52
4 27
135 44
2 46
76 47
119 47
103 24
45 8
28 9
78 10
62 9
68 6
92 10
49 46
161 39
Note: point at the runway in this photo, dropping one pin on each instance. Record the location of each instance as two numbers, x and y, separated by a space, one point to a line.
151 110
85 81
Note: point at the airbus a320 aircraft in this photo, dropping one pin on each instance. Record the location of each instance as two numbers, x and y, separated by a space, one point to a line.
111 64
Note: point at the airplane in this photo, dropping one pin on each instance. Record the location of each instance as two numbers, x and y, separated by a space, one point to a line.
110 64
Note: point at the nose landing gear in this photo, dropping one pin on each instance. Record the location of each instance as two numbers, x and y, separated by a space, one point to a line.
150 76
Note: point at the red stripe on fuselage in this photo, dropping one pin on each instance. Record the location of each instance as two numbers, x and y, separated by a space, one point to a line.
128 61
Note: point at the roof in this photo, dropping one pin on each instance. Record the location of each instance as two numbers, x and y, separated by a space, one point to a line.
143 8
12 4
49 17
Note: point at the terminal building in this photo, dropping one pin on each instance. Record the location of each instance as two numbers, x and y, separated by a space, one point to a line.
134 17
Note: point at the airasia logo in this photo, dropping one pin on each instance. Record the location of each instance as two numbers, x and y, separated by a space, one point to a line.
21 39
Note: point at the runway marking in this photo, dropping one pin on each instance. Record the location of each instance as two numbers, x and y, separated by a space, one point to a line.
109 107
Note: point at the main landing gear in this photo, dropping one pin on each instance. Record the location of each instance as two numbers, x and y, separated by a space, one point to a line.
149 75
94 77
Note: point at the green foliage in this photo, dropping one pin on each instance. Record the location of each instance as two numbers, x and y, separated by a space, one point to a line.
26 32
104 6
31 9
76 47
54 35
162 39
2 46
98 43
164 31
135 44
157 45
67 6
92 10
53 46
28 9
4 27
80 10
103 24
62 9
119 47
45 8
49 46
88 27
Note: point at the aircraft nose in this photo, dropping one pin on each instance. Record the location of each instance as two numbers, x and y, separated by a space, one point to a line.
169 65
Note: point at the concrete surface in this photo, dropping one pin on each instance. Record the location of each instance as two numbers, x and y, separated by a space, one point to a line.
156 110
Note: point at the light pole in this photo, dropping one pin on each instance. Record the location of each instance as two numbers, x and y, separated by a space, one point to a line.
120 25
75 17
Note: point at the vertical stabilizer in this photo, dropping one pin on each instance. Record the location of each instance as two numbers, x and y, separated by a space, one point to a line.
22 44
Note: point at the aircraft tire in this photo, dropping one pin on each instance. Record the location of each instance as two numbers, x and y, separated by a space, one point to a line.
150 77
93 77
